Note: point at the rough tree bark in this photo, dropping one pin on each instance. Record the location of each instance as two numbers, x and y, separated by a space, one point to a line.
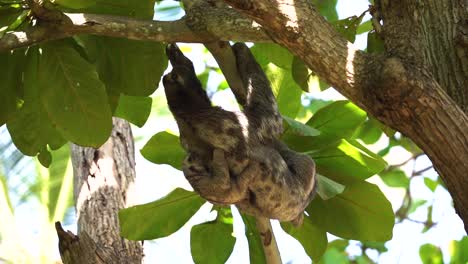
418 86
104 180
397 88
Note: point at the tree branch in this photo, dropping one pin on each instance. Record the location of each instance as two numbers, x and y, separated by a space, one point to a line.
234 27
399 93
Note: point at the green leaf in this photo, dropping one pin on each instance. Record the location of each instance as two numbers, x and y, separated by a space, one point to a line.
347 162
327 9
143 9
361 212
395 178
267 52
213 242
159 218
379 246
76 101
430 254
364 27
340 118
327 188
11 86
288 94
30 127
164 148
334 256
10 18
348 27
135 109
374 43
369 132
45 158
60 183
430 183
75 4
459 251
254 240
127 66
312 238
300 73
300 129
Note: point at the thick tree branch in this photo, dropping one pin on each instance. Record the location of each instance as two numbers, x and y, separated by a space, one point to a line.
399 93
234 27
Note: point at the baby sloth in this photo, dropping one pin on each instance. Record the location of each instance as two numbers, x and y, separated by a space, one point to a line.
236 157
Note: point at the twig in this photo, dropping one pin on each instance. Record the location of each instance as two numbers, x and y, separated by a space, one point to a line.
270 248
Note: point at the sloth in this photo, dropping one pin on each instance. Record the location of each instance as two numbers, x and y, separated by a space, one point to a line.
237 157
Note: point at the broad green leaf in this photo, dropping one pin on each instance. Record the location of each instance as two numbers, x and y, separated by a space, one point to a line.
254 240
45 158
327 9
135 109
369 132
366 26
60 183
127 66
334 256
347 162
164 148
143 9
374 43
340 118
361 212
288 94
459 251
159 218
395 178
431 184
379 246
348 27
327 188
312 238
30 128
266 53
430 254
298 128
76 101
75 4
300 73
11 86
213 242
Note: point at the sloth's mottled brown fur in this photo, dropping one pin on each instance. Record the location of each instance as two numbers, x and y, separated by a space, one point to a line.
236 157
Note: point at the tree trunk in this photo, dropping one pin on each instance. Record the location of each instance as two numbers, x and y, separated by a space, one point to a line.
103 183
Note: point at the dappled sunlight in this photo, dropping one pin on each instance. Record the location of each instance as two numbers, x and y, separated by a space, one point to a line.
288 8
352 49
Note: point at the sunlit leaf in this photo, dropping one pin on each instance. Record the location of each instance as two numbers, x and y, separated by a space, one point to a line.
364 27
164 148
430 254
361 212
312 238
272 53
459 251
395 178
159 218
213 242
431 184
327 9
340 118
347 162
